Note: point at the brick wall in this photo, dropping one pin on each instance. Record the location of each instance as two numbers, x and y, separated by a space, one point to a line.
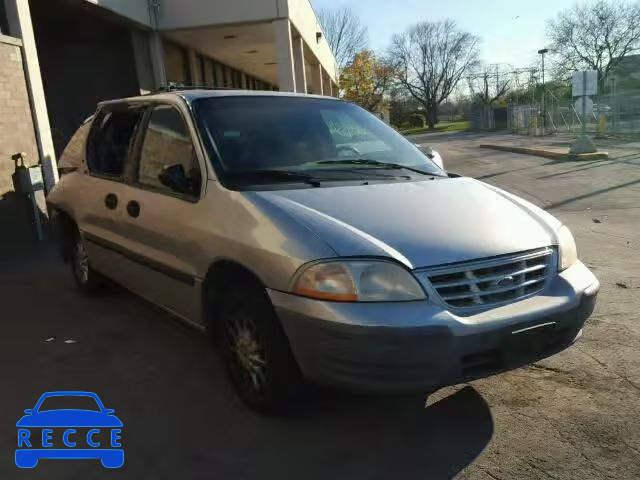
16 125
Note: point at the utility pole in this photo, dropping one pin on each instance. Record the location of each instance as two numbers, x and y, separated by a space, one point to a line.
544 94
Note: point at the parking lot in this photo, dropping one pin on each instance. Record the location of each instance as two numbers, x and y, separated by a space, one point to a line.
575 415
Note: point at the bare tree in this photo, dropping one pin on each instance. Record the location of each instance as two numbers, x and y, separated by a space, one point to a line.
432 58
491 83
594 36
344 33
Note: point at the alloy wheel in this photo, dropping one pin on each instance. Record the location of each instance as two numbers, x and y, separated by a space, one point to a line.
248 362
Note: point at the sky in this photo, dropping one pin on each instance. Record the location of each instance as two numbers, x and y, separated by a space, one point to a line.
511 31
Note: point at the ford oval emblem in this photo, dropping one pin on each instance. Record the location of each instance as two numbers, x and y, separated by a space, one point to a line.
507 281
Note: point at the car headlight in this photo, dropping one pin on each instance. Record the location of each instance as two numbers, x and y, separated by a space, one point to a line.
566 248
357 281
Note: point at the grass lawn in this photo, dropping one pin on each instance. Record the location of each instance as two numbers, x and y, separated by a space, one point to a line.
440 127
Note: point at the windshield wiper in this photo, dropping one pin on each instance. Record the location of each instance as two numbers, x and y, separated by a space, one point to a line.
278 175
376 163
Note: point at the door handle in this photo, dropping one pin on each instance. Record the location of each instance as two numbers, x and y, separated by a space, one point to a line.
111 201
133 209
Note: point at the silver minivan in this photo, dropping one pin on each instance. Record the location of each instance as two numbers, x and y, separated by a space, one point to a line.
313 242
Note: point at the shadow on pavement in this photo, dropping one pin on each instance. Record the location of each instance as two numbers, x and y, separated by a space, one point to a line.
591 194
17 228
181 420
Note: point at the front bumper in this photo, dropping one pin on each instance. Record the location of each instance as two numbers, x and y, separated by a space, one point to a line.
420 345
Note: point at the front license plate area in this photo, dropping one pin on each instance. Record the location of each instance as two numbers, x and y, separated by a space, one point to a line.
532 341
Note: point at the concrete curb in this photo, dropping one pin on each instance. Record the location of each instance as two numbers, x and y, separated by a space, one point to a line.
541 152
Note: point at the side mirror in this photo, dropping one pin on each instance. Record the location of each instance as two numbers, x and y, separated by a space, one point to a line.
431 154
109 411
174 177
436 158
29 411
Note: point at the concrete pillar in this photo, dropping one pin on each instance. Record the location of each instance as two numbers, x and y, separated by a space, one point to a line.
220 80
328 86
19 18
228 78
158 60
318 79
284 55
142 57
194 67
208 71
299 65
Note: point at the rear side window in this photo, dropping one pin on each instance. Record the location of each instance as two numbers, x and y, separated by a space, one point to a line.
110 141
168 162
72 156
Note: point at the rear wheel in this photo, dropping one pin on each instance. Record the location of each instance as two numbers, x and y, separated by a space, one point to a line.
87 279
256 351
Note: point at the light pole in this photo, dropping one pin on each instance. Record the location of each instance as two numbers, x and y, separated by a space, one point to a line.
544 94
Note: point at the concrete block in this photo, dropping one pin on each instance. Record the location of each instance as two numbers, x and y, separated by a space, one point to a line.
555 154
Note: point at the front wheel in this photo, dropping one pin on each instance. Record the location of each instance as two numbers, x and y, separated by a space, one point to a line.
256 352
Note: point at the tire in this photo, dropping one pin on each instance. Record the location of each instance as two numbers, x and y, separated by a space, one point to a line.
256 351
87 279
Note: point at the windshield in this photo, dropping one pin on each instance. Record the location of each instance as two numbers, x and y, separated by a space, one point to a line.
317 137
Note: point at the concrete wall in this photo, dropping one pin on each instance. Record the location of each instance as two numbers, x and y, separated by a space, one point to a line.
84 59
16 125
176 64
176 14
306 23
136 10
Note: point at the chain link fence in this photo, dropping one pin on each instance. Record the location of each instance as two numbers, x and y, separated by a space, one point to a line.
614 113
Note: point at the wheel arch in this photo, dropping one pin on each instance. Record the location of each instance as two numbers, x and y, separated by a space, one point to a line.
222 275
64 230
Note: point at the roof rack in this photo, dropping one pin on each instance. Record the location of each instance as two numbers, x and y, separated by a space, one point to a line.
172 87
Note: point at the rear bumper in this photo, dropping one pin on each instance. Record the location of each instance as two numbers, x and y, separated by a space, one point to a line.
419 345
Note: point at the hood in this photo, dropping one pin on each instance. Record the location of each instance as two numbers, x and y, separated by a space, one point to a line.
69 418
420 224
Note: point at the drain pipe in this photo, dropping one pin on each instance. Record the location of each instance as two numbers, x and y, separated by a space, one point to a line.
156 46
154 10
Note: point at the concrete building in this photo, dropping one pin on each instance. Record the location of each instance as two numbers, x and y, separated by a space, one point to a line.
59 57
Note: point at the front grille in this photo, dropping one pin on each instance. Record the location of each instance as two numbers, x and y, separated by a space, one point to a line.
491 282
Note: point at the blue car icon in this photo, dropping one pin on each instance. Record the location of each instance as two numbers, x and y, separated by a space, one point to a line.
36 431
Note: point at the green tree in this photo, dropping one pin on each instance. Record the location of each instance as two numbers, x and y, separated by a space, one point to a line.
366 80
